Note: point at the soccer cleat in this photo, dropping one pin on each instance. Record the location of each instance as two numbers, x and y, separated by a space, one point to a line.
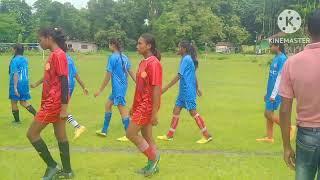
265 139
78 132
293 132
51 172
123 139
204 140
63 175
151 168
16 122
143 170
102 134
165 138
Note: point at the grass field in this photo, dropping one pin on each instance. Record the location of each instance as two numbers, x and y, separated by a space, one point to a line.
232 105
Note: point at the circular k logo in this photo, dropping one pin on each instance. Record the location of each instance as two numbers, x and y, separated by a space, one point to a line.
289 21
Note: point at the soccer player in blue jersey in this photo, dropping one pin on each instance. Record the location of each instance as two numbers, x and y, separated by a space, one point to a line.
117 70
188 90
19 83
272 98
72 76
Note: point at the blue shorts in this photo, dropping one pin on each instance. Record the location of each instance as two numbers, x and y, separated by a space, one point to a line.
187 104
119 100
272 106
23 90
22 97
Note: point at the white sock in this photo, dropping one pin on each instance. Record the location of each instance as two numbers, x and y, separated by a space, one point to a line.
73 122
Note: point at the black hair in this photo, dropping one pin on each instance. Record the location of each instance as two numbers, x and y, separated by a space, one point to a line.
117 43
190 50
18 50
281 47
149 39
57 35
314 23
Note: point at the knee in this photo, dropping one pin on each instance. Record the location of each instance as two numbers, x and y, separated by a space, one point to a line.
267 115
108 107
61 137
193 113
22 103
14 106
32 135
130 135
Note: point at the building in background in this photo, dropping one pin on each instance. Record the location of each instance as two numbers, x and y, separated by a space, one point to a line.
80 46
225 47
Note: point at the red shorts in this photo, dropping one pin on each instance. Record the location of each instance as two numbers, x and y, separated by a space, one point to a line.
46 117
140 119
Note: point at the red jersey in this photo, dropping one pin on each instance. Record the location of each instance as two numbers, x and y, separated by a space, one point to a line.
55 67
149 75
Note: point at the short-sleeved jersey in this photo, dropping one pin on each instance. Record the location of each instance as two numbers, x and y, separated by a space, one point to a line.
56 66
149 75
72 70
19 66
275 70
187 72
118 65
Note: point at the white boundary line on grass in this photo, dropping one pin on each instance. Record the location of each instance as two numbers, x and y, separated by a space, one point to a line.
164 151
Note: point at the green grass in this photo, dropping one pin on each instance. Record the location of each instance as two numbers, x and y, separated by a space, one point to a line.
232 105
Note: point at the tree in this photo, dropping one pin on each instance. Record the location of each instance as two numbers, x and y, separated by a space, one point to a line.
190 20
21 11
9 28
102 37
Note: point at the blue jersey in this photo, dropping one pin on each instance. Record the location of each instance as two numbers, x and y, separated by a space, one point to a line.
118 66
274 75
187 72
72 70
19 66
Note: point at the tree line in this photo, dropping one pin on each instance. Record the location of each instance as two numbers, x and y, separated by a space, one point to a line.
204 22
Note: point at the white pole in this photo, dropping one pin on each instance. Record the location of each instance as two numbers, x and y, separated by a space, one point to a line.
206 52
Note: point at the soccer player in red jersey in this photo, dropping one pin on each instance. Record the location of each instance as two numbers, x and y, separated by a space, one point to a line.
54 104
146 103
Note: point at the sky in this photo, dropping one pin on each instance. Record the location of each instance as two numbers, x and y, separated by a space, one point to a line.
77 3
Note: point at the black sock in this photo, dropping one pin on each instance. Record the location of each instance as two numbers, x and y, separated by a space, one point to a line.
65 156
15 114
44 153
31 110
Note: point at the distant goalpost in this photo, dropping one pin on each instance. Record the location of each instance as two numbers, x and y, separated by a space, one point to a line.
6 47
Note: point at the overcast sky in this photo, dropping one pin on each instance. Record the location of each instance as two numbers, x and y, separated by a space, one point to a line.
77 3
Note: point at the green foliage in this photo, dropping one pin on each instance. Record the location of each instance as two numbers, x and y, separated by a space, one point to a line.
102 37
9 28
204 22
190 20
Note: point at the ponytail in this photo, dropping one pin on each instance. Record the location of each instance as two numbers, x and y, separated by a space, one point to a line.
57 35
156 53
117 44
149 39
281 47
192 51
18 50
